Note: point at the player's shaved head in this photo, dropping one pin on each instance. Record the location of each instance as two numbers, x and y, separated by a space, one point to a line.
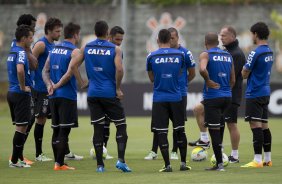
211 38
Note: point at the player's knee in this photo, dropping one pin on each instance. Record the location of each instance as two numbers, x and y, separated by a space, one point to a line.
198 109
163 142
181 138
121 135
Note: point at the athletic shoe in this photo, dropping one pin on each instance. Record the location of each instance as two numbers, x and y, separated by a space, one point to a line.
64 167
201 143
122 166
253 164
173 156
233 160
219 167
72 156
267 164
29 162
42 158
16 165
24 164
100 169
108 157
184 167
151 156
166 169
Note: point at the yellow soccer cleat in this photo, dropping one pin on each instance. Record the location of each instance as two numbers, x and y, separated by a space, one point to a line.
253 164
269 164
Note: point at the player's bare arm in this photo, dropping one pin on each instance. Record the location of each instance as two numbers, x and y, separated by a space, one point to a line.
38 49
32 60
232 76
21 78
204 59
119 72
245 73
46 76
151 76
191 74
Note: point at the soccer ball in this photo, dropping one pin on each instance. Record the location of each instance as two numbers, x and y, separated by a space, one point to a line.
199 154
93 153
224 159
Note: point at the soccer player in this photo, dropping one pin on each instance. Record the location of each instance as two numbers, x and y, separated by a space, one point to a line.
29 20
164 68
187 75
63 94
229 41
18 96
216 67
257 71
116 37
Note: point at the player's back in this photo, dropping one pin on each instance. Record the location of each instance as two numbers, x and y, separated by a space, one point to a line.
261 61
166 64
60 58
39 85
100 67
219 68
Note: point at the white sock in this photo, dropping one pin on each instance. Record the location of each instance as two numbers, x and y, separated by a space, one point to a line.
235 154
258 158
267 156
204 136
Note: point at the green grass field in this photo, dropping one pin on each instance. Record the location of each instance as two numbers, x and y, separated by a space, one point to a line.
139 143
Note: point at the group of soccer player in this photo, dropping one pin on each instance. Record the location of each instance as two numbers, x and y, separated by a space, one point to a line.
42 84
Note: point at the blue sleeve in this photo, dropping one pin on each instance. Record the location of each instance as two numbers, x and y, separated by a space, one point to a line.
21 58
251 60
189 60
149 64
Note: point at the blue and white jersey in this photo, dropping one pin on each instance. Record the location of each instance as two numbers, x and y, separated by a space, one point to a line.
219 68
259 64
100 67
166 64
189 63
17 56
39 84
60 57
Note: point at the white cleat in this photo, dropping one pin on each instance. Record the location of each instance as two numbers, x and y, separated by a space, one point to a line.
72 156
42 158
151 156
173 156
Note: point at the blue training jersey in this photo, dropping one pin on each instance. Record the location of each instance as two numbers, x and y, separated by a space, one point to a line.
100 67
166 64
39 84
60 57
17 56
189 63
259 63
219 68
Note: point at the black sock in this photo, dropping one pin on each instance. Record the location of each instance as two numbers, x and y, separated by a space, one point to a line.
38 136
121 139
174 145
55 142
182 144
98 142
267 140
18 142
222 128
257 140
67 148
106 133
216 144
62 143
155 142
164 147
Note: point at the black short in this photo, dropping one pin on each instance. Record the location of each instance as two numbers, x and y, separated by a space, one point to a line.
32 103
163 111
19 105
64 113
100 107
214 110
42 106
257 109
184 102
231 113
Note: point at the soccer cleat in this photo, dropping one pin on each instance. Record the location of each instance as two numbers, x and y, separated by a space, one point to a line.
253 164
29 162
24 164
100 169
108 157
122 166
173 156
269 164
166 169
233 160
151 156
64 167
200 143
72 156
42 158
185 167
16 165
218 167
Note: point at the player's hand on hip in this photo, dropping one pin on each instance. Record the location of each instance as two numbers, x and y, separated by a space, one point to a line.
119 94
212 84
26 89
